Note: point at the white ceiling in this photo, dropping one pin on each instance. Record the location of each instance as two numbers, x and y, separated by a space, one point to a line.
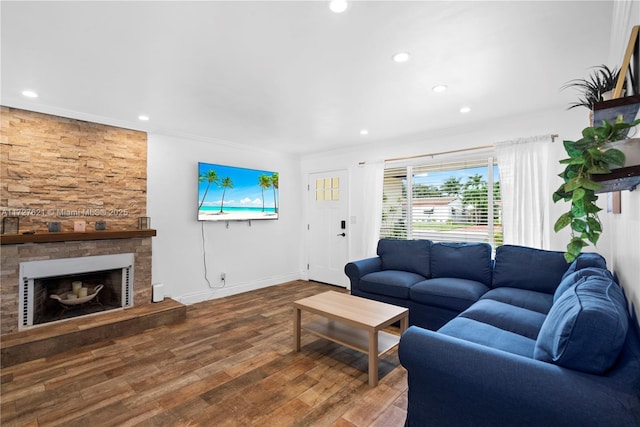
292 76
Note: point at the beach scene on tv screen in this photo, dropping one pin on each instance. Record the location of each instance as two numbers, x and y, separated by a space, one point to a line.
228 193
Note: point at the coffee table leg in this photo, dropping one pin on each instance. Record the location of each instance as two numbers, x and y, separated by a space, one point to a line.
373 358
404 323
297 316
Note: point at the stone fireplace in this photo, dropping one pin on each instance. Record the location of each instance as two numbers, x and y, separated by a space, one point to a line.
52 290
57 169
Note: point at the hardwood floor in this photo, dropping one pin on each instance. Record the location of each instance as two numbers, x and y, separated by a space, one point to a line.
231 363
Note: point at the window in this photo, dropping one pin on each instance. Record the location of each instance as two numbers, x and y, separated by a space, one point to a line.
328 189
455 201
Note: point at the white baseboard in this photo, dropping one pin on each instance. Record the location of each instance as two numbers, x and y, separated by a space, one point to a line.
220 292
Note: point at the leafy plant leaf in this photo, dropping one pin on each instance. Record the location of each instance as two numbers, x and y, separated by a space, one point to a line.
598 169
575 246
573 184
594 224
613 156
595 153
578 209
578 161
578 225
591 185
563 221
591 208
589 132
570 148
557 197
578 194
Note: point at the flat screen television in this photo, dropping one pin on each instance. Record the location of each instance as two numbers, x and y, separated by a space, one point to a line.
228 193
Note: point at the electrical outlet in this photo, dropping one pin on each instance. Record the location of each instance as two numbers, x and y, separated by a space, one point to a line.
223 276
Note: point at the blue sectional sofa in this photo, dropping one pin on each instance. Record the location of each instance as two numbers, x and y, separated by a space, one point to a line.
521 340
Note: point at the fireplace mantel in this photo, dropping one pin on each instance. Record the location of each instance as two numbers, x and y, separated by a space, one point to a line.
15 239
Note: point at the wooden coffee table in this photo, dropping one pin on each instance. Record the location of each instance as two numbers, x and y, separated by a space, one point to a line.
351 321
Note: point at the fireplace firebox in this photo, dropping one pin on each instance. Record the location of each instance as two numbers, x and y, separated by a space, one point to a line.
79 286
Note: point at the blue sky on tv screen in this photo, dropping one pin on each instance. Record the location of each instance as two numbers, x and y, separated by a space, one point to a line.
246 191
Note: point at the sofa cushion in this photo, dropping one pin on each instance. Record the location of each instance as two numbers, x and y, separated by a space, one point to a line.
531 300
390 282
471 261
406 255
571 279
505 316
489 335
586 328
585 260
528 268
450 293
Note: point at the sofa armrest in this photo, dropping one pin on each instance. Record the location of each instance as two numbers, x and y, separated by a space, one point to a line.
456 382
356 269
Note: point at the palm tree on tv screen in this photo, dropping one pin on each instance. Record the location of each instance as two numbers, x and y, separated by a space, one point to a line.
264 181
225 183
211 177
274 183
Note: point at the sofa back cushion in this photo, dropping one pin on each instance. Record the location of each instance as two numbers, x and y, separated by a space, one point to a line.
406 255
471 261
586 260
586 328
571 279
528 268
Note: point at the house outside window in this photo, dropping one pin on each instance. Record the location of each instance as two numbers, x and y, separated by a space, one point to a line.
454 201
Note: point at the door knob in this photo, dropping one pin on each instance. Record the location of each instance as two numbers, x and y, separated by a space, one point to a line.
342 234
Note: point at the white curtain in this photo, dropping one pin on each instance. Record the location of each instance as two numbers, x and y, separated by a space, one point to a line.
624 18
372 175
526 172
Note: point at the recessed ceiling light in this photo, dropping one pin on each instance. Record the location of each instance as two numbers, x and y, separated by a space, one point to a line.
439 88
143 118
29 94
465 109
401 57
364 132
338 6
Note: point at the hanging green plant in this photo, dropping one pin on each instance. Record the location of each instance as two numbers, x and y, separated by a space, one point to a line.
587 156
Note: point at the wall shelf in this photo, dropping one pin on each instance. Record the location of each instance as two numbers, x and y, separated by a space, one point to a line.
619 179
46 237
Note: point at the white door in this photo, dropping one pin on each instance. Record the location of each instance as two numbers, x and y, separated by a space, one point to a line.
328 227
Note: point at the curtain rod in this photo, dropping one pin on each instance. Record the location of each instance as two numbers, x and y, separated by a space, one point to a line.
395 159
483 147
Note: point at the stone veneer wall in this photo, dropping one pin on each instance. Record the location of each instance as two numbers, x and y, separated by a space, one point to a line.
13 255
60 169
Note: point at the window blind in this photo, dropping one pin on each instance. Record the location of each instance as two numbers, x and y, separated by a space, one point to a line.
443 201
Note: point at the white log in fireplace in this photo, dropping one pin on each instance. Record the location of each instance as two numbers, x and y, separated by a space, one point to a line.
117 269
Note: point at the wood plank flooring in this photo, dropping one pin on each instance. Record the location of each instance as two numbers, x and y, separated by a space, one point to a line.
53 338
231 363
